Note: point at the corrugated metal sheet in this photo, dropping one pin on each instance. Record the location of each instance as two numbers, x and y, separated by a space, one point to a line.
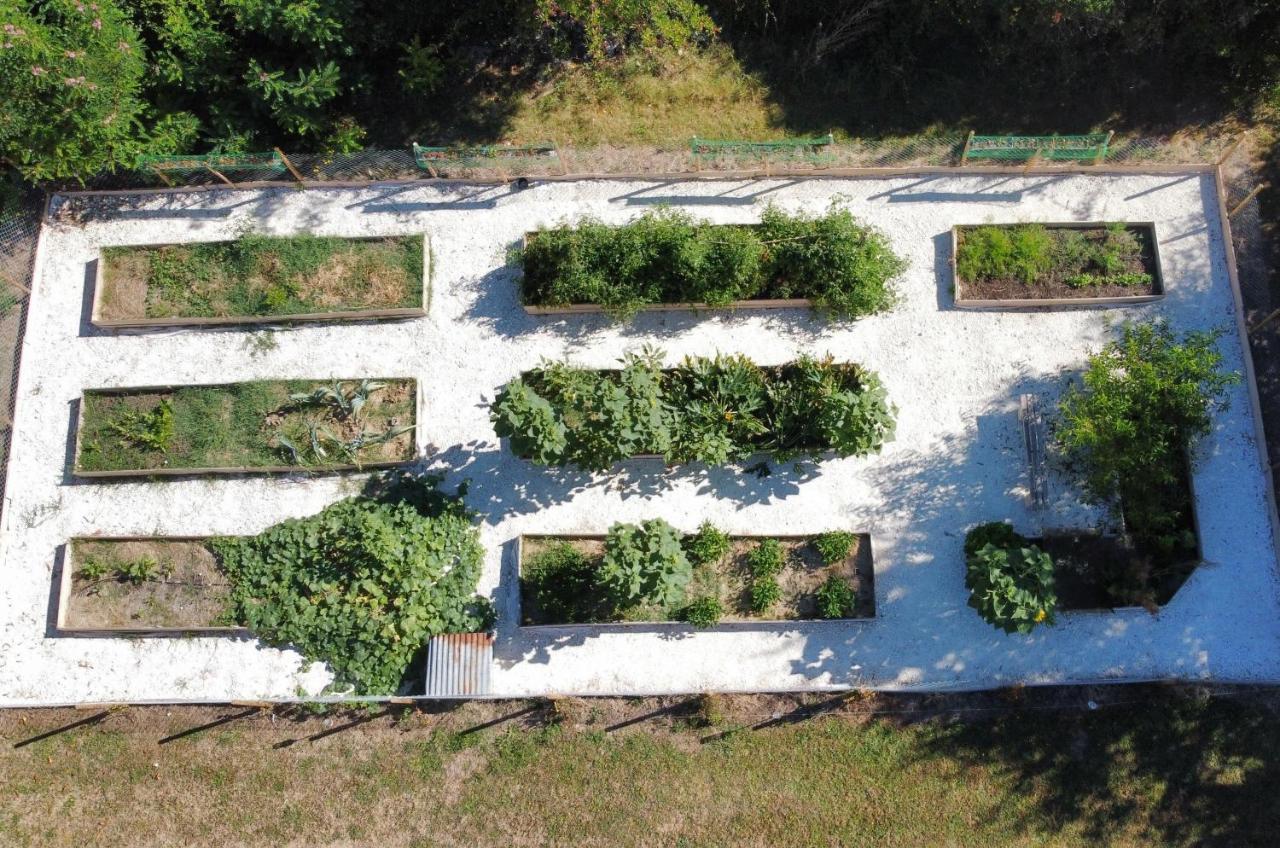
458 665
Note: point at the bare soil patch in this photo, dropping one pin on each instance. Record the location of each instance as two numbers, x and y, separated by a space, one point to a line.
184 587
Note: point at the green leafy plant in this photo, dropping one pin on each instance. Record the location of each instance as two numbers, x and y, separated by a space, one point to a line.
1022 252
1011 584
138 570
765 592
708 545
560 579
703 612
665 256
836 598
644 564
766 559
151 429
362 585
94 570
834 546
344 402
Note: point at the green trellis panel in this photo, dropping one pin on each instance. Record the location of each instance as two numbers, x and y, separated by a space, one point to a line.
1052 147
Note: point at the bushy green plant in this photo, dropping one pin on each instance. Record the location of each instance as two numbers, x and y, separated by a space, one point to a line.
765 592
703 612
150 429
1144 401
644 564
665 256
713 410
360 586
834 546
1023 252
708 545
560 579
1010 584
836 598
596 31
766 558
998 533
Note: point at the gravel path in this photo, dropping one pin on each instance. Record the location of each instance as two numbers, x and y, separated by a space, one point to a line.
958 460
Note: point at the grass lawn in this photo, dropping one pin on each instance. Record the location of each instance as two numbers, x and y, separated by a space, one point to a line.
1149 767
262 424
258 276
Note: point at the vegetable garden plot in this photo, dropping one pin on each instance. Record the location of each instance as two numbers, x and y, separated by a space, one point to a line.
713 410
261 426
668 260
256 279
1055 264
756 579
142 586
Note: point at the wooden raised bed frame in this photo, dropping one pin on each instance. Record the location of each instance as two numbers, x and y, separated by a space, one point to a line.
66 580
1157 275
863 539
263 469
234 320
595 308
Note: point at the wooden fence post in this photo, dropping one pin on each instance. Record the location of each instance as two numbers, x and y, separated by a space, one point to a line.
297 176
964 154
219 175
1250 196
164 179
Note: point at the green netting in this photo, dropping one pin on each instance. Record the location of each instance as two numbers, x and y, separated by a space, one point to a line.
221 161
812 149
1050 147
488 154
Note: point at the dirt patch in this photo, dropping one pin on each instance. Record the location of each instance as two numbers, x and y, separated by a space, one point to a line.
178 584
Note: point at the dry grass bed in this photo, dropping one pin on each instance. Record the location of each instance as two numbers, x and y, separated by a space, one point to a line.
260 276
264 424
1023 767
145 583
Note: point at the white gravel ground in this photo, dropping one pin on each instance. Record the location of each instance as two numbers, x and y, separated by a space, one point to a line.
958 459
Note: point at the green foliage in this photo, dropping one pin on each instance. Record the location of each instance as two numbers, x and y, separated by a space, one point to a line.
766 559
150 429
708 545
644 564
559 579
665 256
134 571
703 612
361 586
1010 581
706 410
765 592
1144 401
1021 252
72 75
836 598
593 30
834 546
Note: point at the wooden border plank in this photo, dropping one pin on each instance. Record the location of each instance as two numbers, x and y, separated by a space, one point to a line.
96 320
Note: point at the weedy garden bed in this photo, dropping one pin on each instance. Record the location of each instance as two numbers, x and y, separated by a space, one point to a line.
713 410
550 596
666 260
1071 264
143 586
257 279
233 428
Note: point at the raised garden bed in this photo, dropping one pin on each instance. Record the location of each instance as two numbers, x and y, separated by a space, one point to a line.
727 579
260 279
1069 264
142 586
714 410
666 260
233 428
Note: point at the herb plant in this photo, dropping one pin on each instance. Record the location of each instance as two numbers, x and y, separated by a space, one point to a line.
703 612
560 580
836 598
834 546
765 592
708 545
766 558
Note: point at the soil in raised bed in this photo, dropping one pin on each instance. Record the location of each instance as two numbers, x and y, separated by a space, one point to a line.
728 580
260 276
240 425
1066 264
185 588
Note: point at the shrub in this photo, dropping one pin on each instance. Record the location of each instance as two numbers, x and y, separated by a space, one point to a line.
766 558
834 546
1144 401
713 410
765 592
1011 587
560 579
1023 253
360 586
644 564
708 545
836 598
704 612
665 256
